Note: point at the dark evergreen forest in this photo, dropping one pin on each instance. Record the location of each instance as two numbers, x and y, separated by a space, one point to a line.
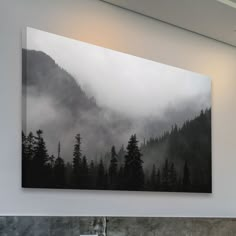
185 168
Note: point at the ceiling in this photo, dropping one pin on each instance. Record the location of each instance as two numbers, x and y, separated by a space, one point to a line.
211 18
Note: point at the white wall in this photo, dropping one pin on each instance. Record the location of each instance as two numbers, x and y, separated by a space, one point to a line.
105 25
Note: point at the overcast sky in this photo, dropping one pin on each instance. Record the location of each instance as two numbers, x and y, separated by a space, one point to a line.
122 82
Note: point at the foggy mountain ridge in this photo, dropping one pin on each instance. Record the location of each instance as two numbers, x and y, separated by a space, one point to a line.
48 78
190 142
74 112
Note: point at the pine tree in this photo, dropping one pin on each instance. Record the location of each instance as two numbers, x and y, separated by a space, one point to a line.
30 142
25 163
77 161
158 183
113 169
59 171
24 143
153 178
29 152
40 158
165 176
50 166
186 177
51 160
92 175
68 175
120 156
173 177
84 173
40 150
133 170
120 178
101 176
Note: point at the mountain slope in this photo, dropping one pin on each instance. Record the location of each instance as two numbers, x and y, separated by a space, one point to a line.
191 143
75 111
42 73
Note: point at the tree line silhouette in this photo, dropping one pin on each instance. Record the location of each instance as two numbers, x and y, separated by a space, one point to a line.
124 170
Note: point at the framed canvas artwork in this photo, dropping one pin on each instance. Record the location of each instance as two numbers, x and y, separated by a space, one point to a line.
95 118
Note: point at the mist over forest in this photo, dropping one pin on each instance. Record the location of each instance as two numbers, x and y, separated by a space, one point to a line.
62 115
57 104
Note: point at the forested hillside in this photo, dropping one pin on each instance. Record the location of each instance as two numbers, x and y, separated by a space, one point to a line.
186 166
82 145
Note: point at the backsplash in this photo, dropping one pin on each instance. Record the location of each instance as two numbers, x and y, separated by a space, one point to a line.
115 226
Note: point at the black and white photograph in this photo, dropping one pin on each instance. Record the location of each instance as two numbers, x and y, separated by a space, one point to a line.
98 119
